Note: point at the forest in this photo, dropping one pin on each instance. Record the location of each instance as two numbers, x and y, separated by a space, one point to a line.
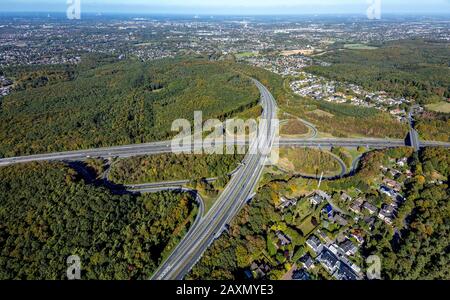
416 69
421 252
62 108
172 167
434 126
48 213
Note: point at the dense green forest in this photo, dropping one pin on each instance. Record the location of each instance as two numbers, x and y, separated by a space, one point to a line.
48 213
170 167
67 108
422 250
420 253
434 126
416 69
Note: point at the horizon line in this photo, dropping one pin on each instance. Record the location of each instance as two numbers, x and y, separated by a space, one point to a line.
229 14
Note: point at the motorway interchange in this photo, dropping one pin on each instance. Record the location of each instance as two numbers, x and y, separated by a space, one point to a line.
207 227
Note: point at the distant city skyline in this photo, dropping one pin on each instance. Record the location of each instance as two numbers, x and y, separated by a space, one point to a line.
230 7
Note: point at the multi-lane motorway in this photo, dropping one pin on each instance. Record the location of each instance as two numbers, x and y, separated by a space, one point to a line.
165 147
229 203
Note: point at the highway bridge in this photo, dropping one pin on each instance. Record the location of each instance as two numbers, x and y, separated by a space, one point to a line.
165 147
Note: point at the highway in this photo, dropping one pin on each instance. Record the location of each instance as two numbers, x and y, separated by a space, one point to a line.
165 147
229 203
178 183
328 143
413 135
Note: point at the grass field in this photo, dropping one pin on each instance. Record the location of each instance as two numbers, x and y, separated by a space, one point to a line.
307 227
443 107
303 209
359 47
294 127
308 162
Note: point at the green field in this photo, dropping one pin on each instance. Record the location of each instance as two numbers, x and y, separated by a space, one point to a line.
294 127
245 54
308 162
359 47
443 107
307 227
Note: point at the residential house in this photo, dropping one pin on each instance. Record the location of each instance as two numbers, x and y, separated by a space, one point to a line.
340 220
259 271
348 247
316 200
358 235
370 221
393 184
324 195
307 262
329 261
344 272
283 240
300 275
314 243
323 236
387 214
248 274
328 210
402 162
398 111
286 203
346 197
370 208
319 197
395 173
356 206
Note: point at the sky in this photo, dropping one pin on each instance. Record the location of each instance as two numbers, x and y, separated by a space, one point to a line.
233 7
